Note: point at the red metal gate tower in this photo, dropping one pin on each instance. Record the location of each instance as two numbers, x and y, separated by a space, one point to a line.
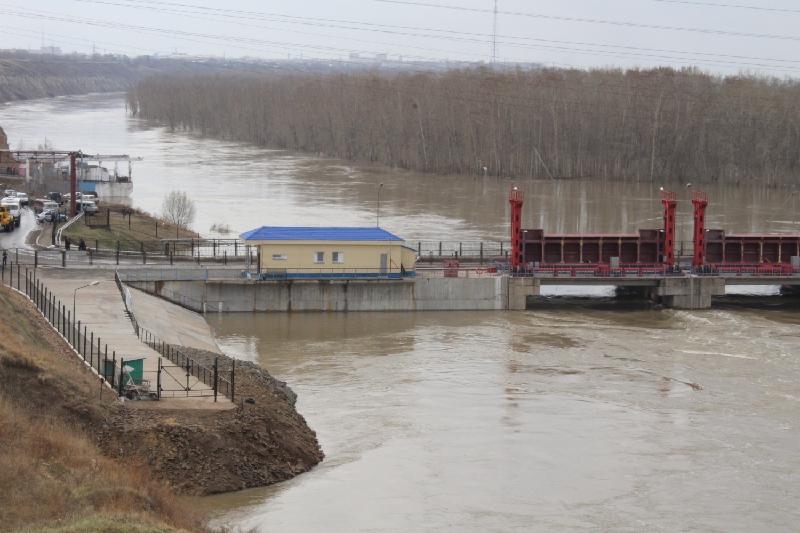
700 202
516 199
670 201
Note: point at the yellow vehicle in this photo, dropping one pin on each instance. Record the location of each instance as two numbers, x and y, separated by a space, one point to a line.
6 218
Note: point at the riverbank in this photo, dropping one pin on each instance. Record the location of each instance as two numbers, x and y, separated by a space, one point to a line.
150 452
131 229
51 462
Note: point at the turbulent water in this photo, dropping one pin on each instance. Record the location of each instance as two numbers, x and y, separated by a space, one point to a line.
584 414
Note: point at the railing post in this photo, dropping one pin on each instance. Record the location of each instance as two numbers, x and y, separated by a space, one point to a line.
18 275
105 360
158 379
113 368
69 327
91 256
91 349
84 343
233 378
144 257
98 351
117 252
78 339
63 258
121 376
36 259
216 377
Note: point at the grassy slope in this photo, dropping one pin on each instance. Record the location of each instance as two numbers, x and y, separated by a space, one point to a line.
142 228
53 476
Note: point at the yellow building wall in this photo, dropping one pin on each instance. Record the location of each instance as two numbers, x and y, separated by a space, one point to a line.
361 255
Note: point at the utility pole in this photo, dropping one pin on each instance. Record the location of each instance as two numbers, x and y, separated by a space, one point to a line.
494 35
378 214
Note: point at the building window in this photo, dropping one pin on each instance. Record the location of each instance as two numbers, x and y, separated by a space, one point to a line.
279 257
338 257
319 257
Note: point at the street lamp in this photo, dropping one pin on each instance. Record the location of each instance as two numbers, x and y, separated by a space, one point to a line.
378 215
75 294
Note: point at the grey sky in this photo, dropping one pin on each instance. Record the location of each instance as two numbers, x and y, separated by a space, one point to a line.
254 28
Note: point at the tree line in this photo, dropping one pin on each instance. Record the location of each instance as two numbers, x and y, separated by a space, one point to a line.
643 125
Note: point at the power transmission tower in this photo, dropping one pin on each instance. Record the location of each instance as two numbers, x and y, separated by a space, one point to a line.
494 35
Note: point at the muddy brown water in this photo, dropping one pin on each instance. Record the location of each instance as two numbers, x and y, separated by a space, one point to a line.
582 414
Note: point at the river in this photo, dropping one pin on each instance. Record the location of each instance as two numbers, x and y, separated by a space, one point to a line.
583 414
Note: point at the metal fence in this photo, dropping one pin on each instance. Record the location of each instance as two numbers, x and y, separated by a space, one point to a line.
85 342
210 376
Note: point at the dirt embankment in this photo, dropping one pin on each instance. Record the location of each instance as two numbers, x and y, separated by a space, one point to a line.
262 441
127 459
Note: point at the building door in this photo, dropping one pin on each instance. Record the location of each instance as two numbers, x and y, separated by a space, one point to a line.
384 264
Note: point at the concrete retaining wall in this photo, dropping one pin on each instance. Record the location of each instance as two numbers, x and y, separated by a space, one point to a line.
421 294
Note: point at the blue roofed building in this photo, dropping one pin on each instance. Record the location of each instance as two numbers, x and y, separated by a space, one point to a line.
330 253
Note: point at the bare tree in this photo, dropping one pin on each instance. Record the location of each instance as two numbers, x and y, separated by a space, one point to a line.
603 124
178 209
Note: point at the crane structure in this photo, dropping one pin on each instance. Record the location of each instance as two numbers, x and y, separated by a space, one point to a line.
73 156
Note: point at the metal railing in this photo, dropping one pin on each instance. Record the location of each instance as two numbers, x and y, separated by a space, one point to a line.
86 344
217 383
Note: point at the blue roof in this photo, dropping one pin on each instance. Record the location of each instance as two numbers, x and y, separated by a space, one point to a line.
279 233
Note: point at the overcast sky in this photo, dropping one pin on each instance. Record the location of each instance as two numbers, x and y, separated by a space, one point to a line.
763 36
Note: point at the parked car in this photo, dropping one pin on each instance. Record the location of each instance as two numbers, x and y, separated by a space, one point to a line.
23 198
9 193
56 197
42 204
47 215
87 206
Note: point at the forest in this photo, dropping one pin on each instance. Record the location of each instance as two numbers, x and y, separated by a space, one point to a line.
606 124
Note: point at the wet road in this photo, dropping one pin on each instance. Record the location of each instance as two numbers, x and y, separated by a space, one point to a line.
17 238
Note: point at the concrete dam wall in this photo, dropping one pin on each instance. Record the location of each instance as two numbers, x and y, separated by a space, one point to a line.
420 294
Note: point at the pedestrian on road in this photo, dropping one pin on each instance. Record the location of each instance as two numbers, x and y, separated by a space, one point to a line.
67 243
82 245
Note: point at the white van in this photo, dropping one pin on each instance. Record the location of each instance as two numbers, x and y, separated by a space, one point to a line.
13 207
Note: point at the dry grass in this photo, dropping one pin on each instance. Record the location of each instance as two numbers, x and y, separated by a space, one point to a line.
142 229
52 475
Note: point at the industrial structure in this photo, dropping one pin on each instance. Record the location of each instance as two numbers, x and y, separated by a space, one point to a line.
651 251
330 253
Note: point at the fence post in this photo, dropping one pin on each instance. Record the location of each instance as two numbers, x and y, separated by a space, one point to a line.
233 378
236 248
63 258
121 376
144 257
225 257
117 252
91 257
78 339
16 255
96 244
69 327
84 343
18 275
158 379
216 376
113 368
36 259
105 360
440 248
91 349
481 252
501 248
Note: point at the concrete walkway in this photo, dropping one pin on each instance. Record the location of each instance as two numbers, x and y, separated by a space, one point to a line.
102 310
161 317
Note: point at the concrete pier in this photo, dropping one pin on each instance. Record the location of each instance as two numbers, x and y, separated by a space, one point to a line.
421 294
689 292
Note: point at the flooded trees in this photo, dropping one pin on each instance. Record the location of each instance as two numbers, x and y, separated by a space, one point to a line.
641 125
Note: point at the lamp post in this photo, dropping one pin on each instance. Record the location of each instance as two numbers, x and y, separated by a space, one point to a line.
378 215
75 295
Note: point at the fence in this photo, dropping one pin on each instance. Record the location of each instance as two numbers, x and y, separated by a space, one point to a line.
83 341
211 377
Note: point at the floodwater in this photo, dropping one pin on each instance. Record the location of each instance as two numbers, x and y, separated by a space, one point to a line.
586 414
